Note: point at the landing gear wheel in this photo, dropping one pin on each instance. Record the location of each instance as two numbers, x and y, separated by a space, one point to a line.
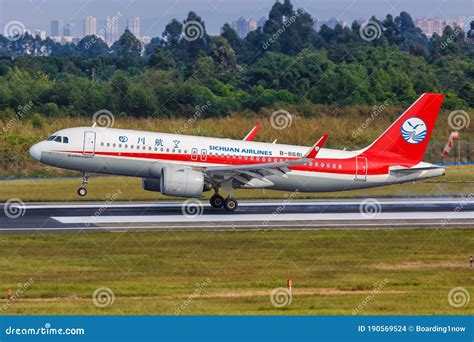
82 191
230 204
217 201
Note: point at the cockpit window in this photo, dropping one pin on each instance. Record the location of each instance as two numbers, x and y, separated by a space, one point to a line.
59 139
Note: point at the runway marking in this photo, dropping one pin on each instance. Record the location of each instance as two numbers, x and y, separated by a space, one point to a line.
329 202
265 217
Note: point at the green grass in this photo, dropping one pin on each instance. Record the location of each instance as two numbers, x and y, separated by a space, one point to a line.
457 181
333 271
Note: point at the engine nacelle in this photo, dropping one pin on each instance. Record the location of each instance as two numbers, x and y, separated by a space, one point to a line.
151 184
181 182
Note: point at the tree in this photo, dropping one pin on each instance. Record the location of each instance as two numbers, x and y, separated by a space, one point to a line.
92 46
161 59
223 54
127 46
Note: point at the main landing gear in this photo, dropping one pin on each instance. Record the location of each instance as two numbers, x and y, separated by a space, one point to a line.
217 201
82 191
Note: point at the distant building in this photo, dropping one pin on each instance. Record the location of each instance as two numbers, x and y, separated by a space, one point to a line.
133 24
243 26
261 22
111 30
429 26
90 26
145 40
69 30
57 28
331 23
41 34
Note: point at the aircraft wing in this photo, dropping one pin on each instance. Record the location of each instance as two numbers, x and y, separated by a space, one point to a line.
254 175
250 175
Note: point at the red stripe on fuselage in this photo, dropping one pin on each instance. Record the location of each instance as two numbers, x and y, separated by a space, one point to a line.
348 164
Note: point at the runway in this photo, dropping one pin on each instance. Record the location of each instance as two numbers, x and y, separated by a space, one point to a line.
396 213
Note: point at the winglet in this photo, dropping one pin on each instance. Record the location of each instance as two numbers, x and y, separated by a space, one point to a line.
316 147
252 133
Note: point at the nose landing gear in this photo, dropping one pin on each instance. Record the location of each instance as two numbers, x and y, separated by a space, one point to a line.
82 191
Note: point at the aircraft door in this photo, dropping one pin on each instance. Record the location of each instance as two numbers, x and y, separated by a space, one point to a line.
194 153
203 154
89 143
361 169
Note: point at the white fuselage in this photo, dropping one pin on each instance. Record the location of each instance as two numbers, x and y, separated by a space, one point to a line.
145 154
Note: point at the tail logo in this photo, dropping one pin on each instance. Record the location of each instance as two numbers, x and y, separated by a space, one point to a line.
414 130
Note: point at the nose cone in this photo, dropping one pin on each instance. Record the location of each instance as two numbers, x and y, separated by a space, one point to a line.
35 151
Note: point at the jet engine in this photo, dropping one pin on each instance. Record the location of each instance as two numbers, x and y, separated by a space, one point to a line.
151 184
182 182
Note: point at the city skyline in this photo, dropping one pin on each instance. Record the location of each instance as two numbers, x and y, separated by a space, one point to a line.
215 13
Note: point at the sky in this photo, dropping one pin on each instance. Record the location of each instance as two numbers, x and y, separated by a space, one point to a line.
155 14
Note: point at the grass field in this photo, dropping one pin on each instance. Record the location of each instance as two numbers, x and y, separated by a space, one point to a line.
457 181
333 271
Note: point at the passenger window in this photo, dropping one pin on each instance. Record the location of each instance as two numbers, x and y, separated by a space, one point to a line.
108 144
340 166
120 145
114 145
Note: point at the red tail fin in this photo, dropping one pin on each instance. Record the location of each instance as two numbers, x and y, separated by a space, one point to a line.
405 141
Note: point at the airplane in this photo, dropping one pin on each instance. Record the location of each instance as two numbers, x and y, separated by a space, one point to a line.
188 166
